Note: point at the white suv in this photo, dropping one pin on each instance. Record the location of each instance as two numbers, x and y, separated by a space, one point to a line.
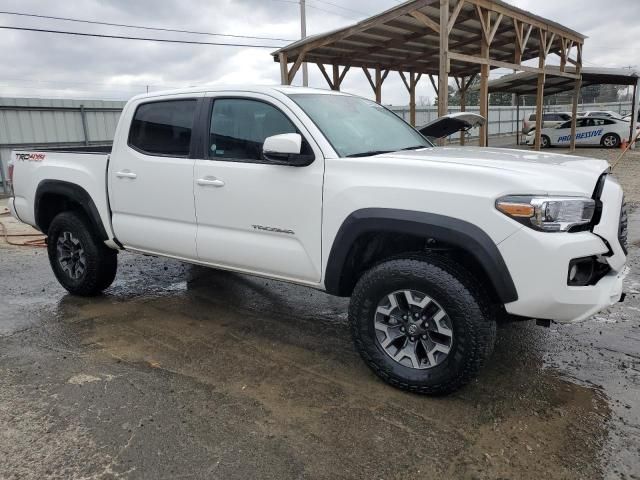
335 192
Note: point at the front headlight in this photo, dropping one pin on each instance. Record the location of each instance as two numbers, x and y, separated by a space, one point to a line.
548 214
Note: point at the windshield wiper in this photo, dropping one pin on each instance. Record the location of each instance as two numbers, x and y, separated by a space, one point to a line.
369 154
415 147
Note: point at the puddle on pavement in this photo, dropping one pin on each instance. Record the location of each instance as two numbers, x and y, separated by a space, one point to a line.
281 358
286 351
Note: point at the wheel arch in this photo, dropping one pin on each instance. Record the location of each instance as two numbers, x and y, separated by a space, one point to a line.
55 196
428 226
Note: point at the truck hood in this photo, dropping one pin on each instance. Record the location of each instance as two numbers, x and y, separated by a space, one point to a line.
581 171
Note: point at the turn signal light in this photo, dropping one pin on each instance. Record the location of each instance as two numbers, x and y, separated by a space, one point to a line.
516 209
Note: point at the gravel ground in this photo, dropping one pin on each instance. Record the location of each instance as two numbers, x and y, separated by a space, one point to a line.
184 372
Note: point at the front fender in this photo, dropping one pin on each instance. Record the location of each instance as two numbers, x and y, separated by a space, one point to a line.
459 233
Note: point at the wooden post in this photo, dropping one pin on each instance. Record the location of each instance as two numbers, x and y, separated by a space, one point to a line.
412 98
484 95
336 77
517 119
540 90
463 105
284 69
576 100
574 112
634 114
411 87
378 85
443 72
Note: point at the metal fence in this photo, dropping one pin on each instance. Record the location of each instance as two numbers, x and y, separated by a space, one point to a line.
505 120
32 123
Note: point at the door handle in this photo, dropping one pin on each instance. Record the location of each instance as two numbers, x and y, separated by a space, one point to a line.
213 182
126 174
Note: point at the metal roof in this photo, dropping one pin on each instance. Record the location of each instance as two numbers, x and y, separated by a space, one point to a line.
405 38
525 83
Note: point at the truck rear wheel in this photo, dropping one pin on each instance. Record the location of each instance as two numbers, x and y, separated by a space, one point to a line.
422 324
80 261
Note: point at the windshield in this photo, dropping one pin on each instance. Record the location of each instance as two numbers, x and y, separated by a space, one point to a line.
357 127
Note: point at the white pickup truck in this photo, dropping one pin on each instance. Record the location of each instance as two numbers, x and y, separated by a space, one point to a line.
337 193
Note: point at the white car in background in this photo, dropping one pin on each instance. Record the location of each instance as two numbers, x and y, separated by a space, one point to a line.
603 114
607 132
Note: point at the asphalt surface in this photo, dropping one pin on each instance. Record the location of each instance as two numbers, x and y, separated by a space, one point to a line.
183 372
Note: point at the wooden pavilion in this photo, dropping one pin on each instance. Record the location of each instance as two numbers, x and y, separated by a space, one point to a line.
441 39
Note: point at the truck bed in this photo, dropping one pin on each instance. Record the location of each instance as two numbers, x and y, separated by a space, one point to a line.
57 168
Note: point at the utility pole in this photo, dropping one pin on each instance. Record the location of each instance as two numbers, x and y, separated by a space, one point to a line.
303 34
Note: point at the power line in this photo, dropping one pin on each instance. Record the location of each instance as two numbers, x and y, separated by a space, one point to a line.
343 8
123 37
158 29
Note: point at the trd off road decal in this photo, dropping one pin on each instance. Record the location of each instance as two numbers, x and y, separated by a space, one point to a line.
582 135
30 157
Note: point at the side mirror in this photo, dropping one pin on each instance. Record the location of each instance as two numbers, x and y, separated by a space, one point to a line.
284 149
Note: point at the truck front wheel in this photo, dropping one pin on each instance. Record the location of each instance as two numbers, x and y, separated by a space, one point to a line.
82 263
422 324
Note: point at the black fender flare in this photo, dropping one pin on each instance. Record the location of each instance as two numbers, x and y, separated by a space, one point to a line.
453 231
76 194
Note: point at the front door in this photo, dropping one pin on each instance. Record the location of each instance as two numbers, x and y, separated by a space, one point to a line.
255 216
151 179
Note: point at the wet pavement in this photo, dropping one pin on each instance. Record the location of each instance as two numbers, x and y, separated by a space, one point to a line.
183 372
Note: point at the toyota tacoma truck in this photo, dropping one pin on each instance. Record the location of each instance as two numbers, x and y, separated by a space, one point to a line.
432 244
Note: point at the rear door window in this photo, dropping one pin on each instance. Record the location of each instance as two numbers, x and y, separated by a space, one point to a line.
163 128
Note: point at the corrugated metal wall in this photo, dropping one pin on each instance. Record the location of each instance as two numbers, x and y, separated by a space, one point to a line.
40 123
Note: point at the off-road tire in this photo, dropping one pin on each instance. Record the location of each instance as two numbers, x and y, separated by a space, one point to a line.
613 142
451 286
101 261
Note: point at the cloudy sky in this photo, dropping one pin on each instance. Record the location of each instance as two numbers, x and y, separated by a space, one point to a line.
49 65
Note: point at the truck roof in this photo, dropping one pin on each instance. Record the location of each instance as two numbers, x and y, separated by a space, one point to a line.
266 89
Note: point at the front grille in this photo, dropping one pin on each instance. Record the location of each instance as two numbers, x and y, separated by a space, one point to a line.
622 227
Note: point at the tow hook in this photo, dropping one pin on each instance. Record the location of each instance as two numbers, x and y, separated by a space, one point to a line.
543 323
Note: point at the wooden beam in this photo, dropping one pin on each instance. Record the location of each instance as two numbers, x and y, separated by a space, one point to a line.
404 80
454 16
549 44
368 75
421 17
284 73
509 12
483 22
443 70
433 83
325 75
343 74
563 54
511 66
295 67
336 77
494 29
378 89
525 39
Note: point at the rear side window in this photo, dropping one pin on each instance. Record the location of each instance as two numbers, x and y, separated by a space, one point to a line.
163 128
532 117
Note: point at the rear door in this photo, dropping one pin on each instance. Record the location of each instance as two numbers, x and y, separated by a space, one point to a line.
151 178
252 215
562 134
